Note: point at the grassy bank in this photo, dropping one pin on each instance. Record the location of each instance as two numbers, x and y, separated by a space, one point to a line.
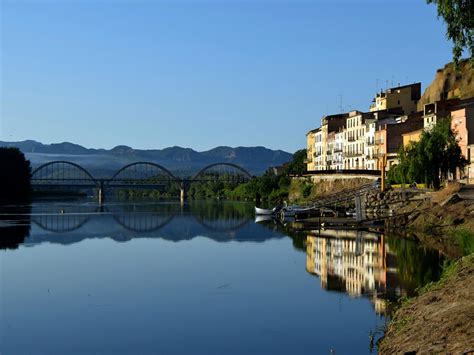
440 319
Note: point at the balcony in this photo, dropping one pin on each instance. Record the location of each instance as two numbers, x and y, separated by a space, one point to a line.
351 139
369 142
352 154
338 150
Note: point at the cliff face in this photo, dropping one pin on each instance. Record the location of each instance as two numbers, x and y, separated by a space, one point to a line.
449 83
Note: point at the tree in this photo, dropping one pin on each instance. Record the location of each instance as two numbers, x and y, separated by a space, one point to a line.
15 175
298 166
459 18
433 158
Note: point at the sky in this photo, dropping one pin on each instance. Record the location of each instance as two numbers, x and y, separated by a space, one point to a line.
199 74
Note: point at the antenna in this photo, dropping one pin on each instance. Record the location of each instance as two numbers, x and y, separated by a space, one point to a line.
340 103
376 85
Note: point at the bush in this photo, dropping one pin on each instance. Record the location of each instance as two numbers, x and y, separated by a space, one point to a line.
307 190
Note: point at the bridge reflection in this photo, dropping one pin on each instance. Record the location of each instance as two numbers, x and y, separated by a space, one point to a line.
140 218
61 219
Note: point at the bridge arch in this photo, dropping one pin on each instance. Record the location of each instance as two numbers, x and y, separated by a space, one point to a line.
243 172
44 171
129 167
222 225
144 223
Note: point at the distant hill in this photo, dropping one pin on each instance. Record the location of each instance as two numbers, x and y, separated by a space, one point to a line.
181 161
450 83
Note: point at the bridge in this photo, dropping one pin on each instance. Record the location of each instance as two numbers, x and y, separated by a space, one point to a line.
139 175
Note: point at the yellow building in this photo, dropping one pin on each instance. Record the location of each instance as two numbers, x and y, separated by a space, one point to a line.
411 137
310 149
404 97
330 124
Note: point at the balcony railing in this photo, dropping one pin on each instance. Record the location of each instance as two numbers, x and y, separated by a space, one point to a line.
352 154
351 139
338 150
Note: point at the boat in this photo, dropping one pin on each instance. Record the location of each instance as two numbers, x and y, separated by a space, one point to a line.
291 211
263 218
265 212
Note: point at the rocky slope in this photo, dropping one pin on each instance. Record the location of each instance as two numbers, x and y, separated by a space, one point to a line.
450 83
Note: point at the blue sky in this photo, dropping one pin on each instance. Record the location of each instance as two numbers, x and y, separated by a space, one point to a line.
152 74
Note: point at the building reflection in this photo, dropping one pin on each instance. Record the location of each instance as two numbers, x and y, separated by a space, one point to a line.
355 262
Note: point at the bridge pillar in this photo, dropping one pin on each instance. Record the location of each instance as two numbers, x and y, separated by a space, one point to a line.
182 195
101 193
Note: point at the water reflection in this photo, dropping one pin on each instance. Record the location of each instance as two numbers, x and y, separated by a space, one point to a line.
367 264
14 225
163 280
67 223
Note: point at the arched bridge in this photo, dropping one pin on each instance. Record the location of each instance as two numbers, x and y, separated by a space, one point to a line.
139 175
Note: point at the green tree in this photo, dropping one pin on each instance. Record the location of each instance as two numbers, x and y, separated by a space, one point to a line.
297 166
433 158
15 175
459 18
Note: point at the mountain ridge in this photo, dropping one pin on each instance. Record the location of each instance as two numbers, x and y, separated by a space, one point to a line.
177 159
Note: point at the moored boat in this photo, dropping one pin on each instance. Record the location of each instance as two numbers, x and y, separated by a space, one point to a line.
265 212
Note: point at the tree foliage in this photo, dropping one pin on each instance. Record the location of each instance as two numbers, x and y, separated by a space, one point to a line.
15 175
459 18
270 186
430 160
297 166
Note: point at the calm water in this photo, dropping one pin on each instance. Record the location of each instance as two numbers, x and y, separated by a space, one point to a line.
203 278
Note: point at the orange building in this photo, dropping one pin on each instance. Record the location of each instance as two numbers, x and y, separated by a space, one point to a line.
389 138
462 124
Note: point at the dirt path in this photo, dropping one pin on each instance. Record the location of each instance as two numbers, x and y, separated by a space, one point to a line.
440 320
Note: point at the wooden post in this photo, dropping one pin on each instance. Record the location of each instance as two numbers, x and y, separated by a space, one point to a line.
384 164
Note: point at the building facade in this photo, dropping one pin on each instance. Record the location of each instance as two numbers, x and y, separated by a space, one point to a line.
371 140
405 97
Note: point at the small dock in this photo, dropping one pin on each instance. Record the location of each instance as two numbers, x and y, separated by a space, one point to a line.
335 222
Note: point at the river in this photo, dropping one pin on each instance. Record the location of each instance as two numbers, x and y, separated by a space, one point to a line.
199 278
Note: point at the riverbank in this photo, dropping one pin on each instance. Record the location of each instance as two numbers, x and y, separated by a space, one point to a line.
440 319
443 220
